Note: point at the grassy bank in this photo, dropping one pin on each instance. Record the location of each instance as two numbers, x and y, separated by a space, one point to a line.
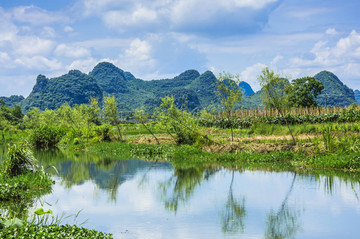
192 155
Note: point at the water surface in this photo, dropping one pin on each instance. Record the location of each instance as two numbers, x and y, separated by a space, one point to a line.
144 199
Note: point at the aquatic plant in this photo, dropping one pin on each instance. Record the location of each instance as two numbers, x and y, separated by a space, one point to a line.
19 160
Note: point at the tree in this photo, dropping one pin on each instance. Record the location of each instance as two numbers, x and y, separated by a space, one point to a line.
230 95
178 121
112 113
303 91
143 118
273 95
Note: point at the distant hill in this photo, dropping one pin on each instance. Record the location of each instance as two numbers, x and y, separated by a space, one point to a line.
246 88
12 100
73 88
357 96
335 93
191 90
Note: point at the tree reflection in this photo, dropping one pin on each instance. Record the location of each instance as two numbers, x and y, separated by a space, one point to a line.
180 187
234 212
284 223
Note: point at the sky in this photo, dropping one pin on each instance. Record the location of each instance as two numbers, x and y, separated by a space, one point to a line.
162 38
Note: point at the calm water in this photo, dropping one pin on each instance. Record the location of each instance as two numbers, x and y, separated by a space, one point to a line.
140 199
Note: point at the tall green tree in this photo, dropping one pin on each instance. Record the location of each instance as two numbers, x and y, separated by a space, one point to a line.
230 95
273 93
111 113
303 91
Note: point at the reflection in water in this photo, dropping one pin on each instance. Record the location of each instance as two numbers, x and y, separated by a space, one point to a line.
179 187
220 203
285 222
234 213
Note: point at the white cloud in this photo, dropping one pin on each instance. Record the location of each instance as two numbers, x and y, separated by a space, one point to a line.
139 17
71 51
37 16
137 56
346 50
31 45
249 75
8 30
38 63
331 31
302 13
276 60
181 15
4 58
48 32
83 65
68 29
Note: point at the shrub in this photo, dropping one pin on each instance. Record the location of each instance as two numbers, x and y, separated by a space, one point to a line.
103 132
19 160
46 136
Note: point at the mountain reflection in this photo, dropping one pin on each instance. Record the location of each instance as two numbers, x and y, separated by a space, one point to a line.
107 174
175 187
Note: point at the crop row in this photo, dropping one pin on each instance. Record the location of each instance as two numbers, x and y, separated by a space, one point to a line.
348 115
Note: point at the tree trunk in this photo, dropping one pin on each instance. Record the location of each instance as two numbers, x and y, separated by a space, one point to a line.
148 129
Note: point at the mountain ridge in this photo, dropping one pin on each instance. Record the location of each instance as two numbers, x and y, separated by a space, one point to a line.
191 90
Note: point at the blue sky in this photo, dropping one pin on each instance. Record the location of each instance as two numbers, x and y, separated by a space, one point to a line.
162 38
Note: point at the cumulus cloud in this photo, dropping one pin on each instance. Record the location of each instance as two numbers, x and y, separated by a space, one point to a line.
31 45
37 16
38 63
137 57
346 51
250 74
139 17
71 51
7 29
228 16
331 31
83 65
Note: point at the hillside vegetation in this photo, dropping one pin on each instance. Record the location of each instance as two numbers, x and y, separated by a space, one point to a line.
191 90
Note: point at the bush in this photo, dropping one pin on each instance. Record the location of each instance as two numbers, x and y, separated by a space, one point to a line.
19 160
103 132
46 136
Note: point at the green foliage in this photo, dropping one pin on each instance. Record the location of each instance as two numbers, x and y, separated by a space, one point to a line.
50 232
19 160
303 91
46 136
230 95
141 117
335 93
110 78
12 100
178 121
103 132
73 88
273 95
111 114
